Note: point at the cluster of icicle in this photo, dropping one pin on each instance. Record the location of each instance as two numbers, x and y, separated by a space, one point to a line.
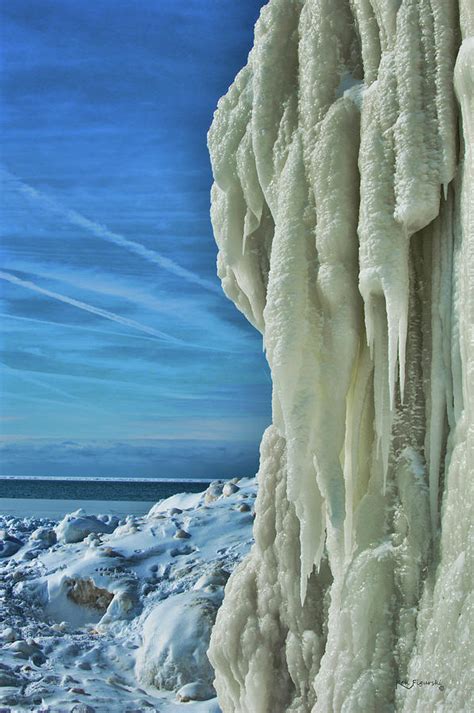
343 211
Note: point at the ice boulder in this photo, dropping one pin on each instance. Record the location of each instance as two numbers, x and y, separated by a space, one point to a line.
9 545
175 641
75 527
216 577
196 691
122 605
44 537
229 489
213 492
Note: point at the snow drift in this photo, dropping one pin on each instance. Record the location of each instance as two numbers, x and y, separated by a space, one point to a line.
343 211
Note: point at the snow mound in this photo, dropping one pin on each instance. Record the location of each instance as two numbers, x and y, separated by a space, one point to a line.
76 526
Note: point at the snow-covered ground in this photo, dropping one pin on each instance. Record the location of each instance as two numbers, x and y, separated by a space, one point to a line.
101 613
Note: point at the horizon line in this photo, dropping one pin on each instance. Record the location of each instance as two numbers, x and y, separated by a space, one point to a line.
100 478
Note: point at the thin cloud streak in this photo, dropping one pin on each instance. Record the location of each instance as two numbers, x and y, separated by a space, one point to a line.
136 297
81 403
64 325
103 284
101 231
27 284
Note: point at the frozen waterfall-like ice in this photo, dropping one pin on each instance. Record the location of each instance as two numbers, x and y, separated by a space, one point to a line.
343 210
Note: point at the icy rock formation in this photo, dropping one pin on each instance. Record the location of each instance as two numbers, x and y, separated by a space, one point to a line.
343 211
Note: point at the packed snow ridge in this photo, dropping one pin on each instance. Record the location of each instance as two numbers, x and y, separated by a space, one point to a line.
344 214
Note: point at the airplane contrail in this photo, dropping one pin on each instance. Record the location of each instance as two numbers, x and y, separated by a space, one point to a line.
89 308
77 400
36 382
65 325
101 231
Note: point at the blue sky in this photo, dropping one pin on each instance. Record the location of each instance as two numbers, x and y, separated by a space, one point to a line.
120 354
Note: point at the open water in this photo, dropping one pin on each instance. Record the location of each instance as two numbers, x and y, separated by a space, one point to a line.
96 488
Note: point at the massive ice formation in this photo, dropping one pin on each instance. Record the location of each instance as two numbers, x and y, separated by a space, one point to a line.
343 211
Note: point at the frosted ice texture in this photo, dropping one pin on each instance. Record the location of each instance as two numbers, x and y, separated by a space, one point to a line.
343 211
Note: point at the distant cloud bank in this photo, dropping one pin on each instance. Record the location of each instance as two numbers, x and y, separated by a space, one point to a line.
132 458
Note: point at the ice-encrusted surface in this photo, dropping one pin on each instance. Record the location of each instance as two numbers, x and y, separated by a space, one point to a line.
343 212
116 614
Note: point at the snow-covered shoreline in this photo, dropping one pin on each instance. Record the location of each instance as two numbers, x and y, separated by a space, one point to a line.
55 509
115 613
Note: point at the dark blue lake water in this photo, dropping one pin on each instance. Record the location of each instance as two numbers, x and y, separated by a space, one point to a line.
96 489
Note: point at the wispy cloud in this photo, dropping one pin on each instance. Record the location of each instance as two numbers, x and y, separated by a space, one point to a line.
101 231
32 380
27 284
65 325
98 281
177 310
36 382
109 218
204 327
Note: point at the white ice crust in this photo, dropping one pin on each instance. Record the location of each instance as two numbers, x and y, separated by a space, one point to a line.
110 616
343 212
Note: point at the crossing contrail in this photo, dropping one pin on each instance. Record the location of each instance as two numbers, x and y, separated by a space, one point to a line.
65 325
70 398
131 323
101 231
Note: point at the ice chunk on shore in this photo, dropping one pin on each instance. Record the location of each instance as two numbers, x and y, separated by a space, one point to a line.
75 527
9 545
175 641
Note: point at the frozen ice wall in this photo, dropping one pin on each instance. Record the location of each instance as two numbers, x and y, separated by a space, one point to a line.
343 211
